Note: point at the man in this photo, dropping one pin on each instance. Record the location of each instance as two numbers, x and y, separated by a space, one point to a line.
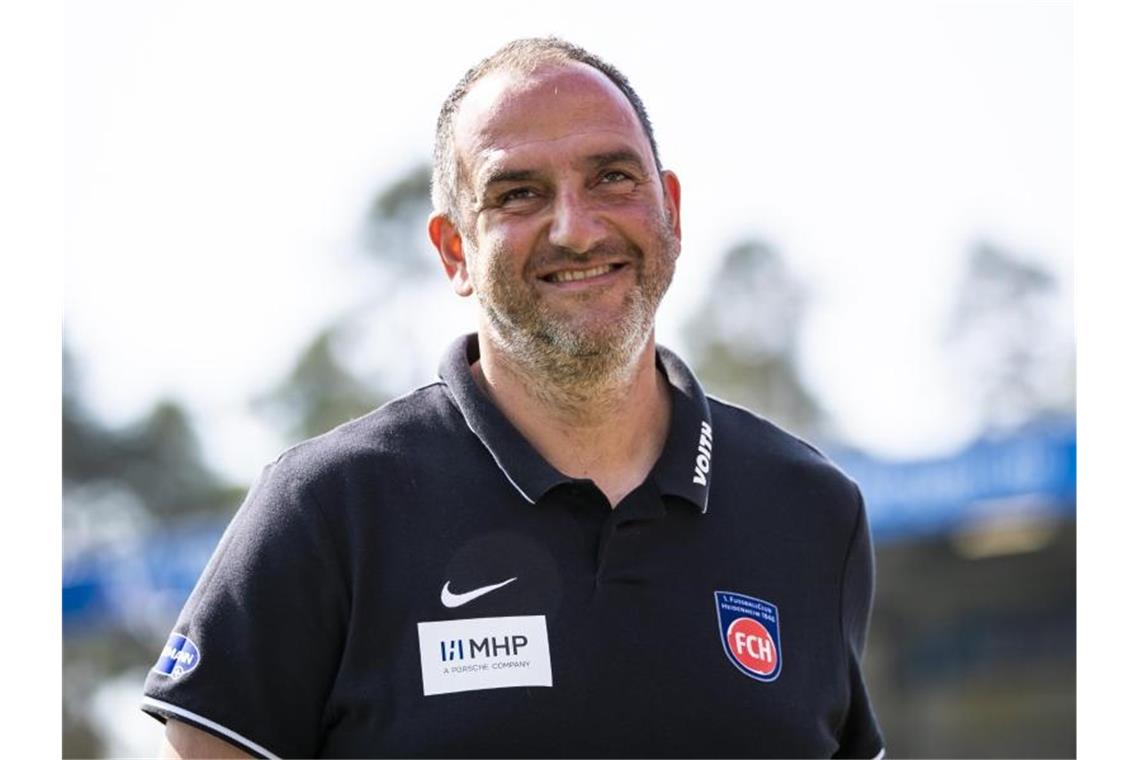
536 556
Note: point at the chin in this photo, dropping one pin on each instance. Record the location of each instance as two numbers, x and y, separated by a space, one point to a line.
614 337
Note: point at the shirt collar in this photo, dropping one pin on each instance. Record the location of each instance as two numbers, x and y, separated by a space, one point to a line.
683 464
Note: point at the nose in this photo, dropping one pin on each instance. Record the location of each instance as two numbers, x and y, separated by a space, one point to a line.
576 226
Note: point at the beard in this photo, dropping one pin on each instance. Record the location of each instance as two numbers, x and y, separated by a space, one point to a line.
573 354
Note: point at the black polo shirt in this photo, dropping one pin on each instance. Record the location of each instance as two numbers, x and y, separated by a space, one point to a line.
420 582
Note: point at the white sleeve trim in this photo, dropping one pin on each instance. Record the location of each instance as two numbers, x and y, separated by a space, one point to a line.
206 722
881 755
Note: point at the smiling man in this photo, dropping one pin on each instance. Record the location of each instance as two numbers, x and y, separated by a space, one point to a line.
535 555
567 231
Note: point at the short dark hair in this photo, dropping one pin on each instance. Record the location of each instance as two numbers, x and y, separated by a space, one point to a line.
519 55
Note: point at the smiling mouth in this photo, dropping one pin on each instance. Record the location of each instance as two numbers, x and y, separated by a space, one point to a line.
574 275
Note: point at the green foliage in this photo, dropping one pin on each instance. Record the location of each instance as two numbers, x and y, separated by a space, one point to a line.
744 338
319 393
1014 356
394 229
322 391
117 483
157 459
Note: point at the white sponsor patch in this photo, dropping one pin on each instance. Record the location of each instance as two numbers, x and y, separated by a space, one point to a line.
484 653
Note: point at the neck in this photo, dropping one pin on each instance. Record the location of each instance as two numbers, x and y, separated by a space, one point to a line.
610 430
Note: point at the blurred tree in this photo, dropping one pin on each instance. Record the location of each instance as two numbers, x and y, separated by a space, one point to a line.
163 465
320 393
1009 337
89 450
117 482
394 229
744 338
341 373
119 479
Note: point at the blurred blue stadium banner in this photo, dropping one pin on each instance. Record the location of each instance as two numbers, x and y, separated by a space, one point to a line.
1027 474
1030 473
141 584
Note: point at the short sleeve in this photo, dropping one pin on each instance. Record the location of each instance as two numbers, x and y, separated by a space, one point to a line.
860 736
255 650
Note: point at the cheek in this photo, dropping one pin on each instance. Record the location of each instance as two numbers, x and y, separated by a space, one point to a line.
491 266
651 230
506 250
645 214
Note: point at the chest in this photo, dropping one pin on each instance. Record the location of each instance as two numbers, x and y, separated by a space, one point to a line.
583 633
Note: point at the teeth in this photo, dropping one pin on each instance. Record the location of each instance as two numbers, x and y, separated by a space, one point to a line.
580 274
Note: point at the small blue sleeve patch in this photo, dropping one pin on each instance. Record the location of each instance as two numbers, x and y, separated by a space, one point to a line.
179 657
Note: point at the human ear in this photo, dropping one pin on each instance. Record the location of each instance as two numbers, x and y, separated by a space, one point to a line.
449 243
672 187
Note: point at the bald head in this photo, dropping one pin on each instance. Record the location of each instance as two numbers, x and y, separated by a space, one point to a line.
550 108
520 57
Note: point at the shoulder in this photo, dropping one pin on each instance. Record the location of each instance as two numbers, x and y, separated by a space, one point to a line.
397 431
750 449
738 422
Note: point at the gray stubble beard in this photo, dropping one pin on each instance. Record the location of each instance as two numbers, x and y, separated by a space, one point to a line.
561 365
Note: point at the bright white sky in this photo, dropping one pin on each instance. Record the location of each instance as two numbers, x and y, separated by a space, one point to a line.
221 156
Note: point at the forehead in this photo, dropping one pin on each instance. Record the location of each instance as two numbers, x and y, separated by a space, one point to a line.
551 113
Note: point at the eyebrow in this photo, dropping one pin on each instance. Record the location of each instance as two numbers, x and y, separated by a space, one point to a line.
621 156
509 175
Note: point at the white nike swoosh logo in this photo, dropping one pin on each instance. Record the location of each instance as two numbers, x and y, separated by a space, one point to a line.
457 600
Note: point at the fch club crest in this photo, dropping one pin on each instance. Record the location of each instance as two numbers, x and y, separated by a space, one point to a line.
750 634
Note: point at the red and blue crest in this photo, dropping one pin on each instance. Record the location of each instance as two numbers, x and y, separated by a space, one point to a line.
750 634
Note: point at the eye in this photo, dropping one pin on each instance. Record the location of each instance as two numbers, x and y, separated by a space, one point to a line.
518 194
615 175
